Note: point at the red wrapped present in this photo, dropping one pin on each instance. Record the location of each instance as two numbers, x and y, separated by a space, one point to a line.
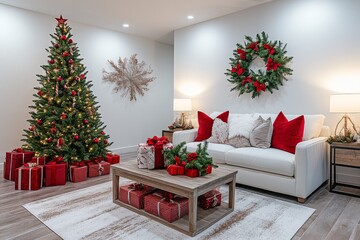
176 170
191 172
169 207
78 172
29 177
98 168
39 160
55 173
134 194
154 156
210 199
208 169
15 159
112 158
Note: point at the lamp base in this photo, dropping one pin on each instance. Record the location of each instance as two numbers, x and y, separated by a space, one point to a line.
345 128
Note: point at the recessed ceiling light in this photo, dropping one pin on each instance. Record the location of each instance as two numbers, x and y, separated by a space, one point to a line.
125 25
190 17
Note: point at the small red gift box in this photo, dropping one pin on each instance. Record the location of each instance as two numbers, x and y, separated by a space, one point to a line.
134 194
98 168
210 199
156 160
78 173
191 172
169 209
208 169
15 159
29 177
39 160
112 158
176 170
55 173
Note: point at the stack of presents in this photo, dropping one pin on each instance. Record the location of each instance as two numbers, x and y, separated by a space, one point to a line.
32 173
165 205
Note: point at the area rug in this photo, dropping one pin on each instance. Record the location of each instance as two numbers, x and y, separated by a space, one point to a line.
89 213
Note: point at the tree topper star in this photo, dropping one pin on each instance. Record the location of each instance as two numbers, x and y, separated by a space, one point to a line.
61 20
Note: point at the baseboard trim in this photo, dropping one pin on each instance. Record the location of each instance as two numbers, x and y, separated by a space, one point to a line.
123 150
348 179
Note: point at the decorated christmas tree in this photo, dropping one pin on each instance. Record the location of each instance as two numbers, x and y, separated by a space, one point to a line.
64 119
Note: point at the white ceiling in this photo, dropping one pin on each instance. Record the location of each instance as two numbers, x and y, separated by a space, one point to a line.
152 19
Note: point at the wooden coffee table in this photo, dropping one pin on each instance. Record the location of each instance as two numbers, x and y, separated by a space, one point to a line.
198 219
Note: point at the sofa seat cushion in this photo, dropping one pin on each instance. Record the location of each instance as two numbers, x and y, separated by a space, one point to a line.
268 160
215 150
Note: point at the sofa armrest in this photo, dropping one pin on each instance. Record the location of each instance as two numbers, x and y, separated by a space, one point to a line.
184 136
310 165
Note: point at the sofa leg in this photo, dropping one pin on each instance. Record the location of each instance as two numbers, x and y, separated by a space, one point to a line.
301 200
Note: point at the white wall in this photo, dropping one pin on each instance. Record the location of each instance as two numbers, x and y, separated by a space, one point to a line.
24 35
322 36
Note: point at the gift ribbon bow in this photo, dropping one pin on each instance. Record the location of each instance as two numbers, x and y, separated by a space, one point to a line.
169 198
157 141
133 187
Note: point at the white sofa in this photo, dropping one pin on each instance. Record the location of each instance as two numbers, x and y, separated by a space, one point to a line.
272 169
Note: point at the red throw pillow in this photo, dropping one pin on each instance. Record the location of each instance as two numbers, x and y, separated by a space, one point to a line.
287 134
206 123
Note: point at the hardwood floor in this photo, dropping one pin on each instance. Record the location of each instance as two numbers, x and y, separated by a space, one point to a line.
337 216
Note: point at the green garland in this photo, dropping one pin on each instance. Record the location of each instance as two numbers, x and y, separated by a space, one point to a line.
249 81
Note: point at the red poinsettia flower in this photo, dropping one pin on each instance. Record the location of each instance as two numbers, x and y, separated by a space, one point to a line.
271 50
177 160
253 46
246 80
242 53
192 156
238 69
272 65
259 86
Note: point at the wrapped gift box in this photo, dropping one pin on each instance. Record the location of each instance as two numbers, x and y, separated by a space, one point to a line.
169 209
112 158
176 170
15 159
151 156
191 172
78 173
210 199
29 177
145 153
39 160
98 168
55 174
134 194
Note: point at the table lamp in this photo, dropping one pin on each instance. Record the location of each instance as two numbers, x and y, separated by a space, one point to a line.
345 103
182 105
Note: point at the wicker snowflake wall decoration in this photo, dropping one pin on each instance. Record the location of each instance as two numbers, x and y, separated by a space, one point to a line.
130 77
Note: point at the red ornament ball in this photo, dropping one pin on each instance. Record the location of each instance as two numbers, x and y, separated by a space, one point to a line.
71 61
76 137
70 40
60 142
65 54
40 93
86 121
59 79
96 140
82 76
63 37
39 121
53 123
52 130
77 78
102 132
51 61
31 128
49 140
56 45
63 116
73 93
106 141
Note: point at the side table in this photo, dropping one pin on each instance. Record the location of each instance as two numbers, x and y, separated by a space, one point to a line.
169 133
343 155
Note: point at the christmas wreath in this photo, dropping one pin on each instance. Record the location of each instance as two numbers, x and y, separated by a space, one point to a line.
248 81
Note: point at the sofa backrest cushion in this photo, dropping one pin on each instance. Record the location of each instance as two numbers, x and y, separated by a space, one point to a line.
206 123
287 134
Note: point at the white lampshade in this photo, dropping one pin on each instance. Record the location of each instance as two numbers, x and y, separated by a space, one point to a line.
182 104
345 103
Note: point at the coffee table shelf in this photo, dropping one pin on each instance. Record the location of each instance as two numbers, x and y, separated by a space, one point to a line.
198 219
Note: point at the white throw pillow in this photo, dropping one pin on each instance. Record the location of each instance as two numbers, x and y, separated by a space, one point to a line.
219 132
260 136
241 126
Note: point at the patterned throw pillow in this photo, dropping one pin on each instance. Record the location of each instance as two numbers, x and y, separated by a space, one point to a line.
220 132
261 134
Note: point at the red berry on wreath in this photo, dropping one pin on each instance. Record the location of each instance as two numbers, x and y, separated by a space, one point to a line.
96 140
39 121
71 61
70 40
59 79
73 93
40 93
49 140
86 121
63 37
63 116
76 137
106 142
65 54
51 61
